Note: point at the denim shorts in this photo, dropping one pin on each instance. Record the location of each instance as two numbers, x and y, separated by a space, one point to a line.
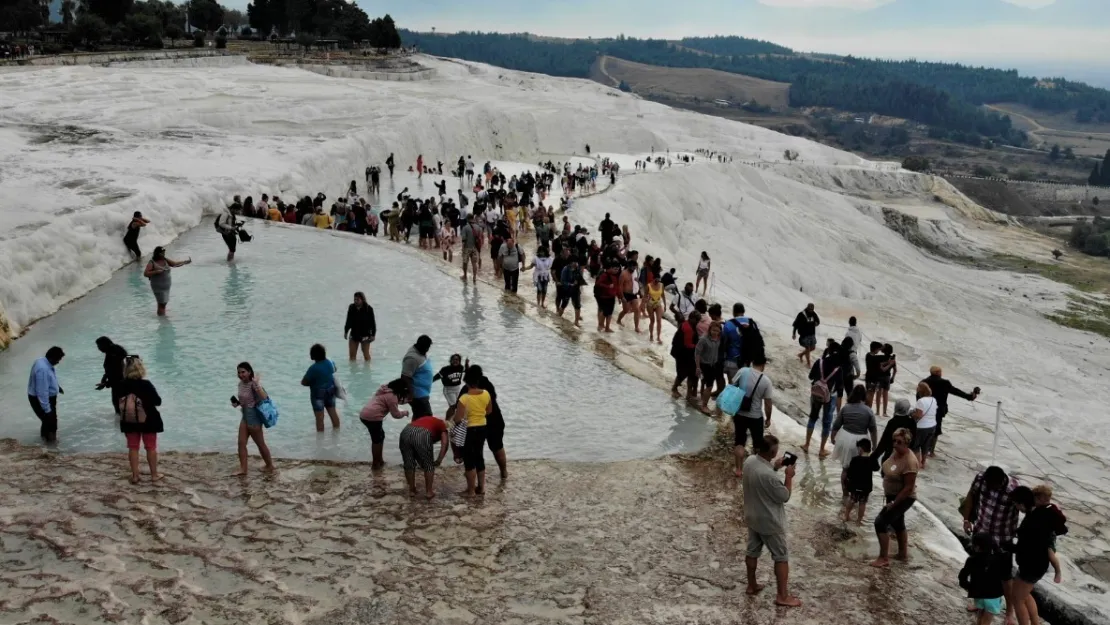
323 400
252 417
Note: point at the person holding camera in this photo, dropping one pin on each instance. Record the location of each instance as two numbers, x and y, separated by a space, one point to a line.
765 498
228 228
941 389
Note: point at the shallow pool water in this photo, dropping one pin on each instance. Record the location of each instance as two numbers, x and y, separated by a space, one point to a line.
288 289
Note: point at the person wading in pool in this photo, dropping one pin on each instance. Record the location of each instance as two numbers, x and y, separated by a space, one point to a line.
114 357
158 272
228 227
475 405
360 328
131 238
416 369
320 380
43 390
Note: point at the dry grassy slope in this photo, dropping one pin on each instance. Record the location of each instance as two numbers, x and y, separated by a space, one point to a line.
685 83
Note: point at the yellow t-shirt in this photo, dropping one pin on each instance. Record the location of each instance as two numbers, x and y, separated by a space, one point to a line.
475 406
322 221
275 214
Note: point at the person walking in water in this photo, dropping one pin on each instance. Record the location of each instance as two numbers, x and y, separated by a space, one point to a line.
704 267
512 259
389 164
115 358
131 237
320 380
251 427
765 500
140 420
387 400
228 227
416 370
360 328
805 330
43 390
158 272
541 274
469 237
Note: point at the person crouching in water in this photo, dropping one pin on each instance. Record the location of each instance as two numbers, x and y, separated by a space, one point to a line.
417 443
387 400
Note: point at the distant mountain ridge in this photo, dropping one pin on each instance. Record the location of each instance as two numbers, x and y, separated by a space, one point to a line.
945 96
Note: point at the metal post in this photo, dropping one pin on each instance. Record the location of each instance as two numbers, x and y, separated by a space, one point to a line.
997 433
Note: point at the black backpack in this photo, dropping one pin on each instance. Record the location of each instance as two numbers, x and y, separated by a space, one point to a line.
751 342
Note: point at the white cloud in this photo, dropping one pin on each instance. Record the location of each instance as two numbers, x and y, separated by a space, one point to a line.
844 4
1033 4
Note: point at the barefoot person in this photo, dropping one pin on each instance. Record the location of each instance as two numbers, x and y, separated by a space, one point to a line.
606 288
765 500
805 330
320 380
131 238
900 490
469 237
826 379
417 444
495 422
387 400
655 304
43 390
476 405
158 272
140 420
246 398
361 328
707 363
754 416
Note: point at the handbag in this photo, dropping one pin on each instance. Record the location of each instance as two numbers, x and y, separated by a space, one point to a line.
340 390
731 399
267 409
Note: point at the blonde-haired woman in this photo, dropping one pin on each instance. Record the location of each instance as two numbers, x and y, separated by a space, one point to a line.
925 413
900 488
140 420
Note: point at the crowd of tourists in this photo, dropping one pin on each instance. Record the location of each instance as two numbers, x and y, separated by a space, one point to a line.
718 360
473 417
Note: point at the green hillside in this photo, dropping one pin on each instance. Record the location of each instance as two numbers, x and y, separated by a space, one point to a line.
946 97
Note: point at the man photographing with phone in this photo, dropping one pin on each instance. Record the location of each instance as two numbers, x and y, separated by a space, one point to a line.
765 500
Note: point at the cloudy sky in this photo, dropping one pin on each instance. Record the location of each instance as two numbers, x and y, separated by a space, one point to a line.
1051 37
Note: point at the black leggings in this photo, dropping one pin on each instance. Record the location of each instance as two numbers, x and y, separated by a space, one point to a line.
132 245
474 448
893 519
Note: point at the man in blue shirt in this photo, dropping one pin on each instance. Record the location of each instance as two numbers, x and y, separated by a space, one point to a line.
732 340
416 369
43 390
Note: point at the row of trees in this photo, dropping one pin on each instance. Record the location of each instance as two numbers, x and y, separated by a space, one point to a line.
144 23
1091 237
848 84
1100 175
337 19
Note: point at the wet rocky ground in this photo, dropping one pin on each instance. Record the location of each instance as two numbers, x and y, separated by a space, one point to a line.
652 541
